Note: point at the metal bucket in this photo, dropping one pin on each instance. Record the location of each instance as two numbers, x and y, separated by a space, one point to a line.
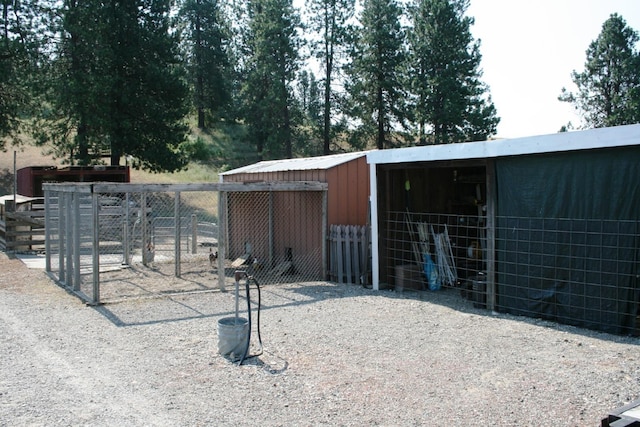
479 291
233 335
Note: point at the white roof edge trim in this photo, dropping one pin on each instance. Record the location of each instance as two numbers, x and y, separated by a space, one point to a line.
302 163
618 136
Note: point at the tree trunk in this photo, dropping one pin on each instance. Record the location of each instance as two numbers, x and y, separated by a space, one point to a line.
380 139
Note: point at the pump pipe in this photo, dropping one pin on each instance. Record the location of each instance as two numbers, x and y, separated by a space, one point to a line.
239 274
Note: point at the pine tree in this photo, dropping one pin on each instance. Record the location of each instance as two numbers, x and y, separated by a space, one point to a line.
206 37
118 85
609 87
375 74
329 19
448 95
23 30
270 68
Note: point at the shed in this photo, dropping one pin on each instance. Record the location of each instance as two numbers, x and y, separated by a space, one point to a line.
545 226
347 202
31 178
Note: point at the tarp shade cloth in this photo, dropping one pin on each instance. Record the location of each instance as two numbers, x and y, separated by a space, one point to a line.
558 214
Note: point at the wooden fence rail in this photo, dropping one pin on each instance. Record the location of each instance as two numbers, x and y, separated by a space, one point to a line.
22 230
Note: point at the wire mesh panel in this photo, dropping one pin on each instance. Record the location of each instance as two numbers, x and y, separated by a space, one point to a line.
429 251
577 271
574 271
113 241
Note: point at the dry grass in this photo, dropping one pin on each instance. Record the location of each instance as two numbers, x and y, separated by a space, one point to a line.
33 156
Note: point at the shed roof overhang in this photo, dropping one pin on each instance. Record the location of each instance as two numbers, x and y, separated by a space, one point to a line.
558 142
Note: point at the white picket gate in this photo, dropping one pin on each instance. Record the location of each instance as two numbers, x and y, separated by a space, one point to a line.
349 258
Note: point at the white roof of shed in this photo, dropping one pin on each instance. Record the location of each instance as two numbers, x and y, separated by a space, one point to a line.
305 163
558 142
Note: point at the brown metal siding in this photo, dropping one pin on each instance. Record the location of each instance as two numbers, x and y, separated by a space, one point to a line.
348 193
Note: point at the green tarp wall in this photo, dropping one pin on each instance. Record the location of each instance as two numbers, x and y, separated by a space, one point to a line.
585 206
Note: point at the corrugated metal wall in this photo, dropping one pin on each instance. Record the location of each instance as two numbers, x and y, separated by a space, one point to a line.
348 194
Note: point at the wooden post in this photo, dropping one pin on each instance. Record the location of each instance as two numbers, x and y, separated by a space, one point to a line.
144 229
194 233
271 232
61 234
178 225
76 241
95 206
47 230
222 240
68 238
324 233
339 254
126 238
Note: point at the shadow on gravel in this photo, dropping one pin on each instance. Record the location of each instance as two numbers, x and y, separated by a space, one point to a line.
185 306
213 304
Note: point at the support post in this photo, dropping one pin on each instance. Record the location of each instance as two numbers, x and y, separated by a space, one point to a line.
324 234
491 234
69 238
177 235
47 230
126 238
194 233
271 244
145 240
61 236
76 241
95 226
375 256
222 238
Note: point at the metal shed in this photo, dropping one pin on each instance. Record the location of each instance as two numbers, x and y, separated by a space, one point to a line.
347 201
545 226
347 176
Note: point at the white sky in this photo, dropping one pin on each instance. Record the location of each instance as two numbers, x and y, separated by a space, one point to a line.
529 49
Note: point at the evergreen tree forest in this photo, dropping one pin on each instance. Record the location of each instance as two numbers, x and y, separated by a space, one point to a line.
153 82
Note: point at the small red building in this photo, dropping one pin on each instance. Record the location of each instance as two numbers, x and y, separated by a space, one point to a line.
346 174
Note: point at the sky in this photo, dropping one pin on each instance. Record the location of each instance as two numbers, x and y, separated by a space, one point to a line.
529 49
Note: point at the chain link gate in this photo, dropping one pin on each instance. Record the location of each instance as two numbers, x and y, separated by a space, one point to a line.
108 242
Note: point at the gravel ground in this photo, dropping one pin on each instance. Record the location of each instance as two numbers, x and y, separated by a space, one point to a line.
333 355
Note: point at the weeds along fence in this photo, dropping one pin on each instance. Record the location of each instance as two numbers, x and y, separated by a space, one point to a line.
107 242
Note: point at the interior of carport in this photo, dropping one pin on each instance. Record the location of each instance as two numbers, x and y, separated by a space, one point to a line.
436 211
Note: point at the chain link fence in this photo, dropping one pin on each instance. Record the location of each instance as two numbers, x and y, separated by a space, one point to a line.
107 242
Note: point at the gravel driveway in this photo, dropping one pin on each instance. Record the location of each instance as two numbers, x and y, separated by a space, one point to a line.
333 355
